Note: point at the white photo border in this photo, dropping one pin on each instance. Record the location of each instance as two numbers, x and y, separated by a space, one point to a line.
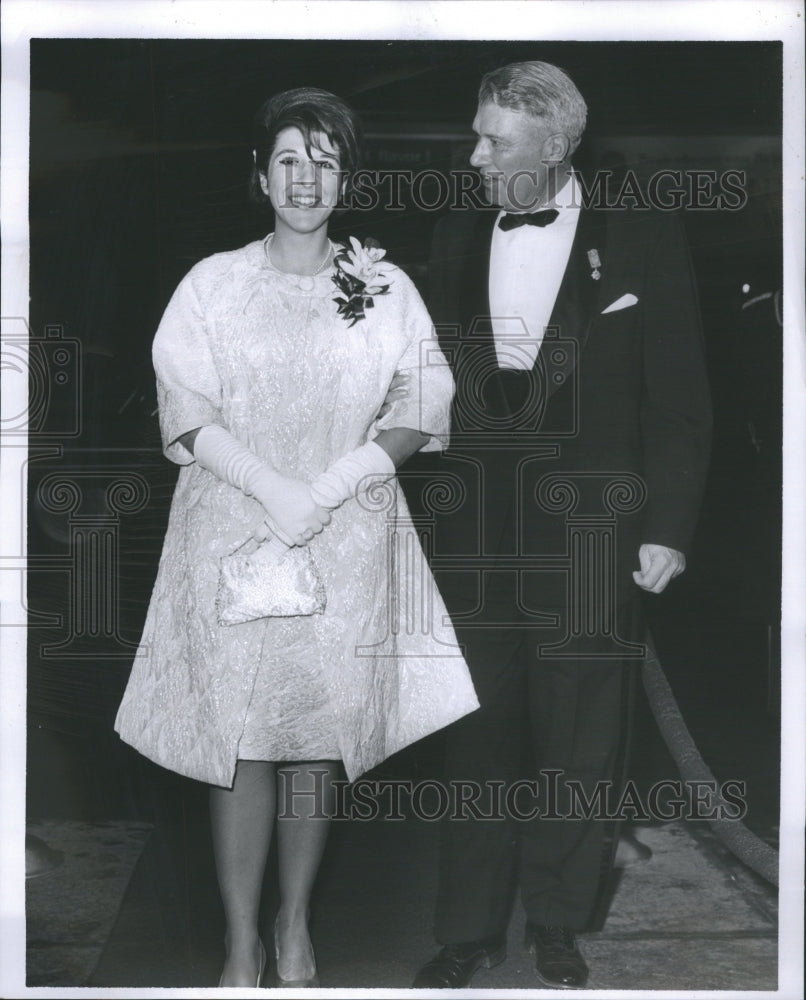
544 20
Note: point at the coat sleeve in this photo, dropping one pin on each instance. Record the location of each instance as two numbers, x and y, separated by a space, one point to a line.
426 405
676 406
188 383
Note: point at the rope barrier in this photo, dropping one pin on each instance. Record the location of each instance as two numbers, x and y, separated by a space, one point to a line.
740 841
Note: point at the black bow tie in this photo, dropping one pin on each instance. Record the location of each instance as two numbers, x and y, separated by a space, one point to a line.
543 218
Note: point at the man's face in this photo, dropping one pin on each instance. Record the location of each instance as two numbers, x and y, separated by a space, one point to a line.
512 150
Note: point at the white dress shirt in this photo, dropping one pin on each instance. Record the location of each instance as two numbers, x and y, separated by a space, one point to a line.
527 265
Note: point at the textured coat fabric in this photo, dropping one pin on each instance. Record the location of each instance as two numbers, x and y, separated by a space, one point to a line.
243 346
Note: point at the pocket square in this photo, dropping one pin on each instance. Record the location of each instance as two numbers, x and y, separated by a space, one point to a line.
623 303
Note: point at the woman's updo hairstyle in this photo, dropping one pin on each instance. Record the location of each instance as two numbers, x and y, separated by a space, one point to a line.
310 110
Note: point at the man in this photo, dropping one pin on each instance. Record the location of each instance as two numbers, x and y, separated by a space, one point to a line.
580 441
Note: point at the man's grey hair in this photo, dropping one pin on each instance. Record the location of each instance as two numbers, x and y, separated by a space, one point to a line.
544 91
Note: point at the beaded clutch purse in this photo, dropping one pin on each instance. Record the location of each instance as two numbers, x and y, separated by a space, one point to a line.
268 580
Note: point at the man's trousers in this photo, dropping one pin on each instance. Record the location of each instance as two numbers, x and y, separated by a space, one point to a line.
544 719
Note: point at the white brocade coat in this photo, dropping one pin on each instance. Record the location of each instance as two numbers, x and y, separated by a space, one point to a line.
241 345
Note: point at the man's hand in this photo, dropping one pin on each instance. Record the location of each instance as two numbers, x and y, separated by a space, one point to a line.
659 565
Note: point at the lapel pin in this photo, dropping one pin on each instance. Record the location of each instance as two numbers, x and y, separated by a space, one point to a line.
595 262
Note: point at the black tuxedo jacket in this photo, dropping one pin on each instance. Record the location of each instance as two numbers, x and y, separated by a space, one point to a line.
613 423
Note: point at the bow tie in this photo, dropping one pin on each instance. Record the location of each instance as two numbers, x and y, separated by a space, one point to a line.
543 218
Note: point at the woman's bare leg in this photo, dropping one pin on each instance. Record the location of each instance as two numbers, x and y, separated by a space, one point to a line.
302 828
242 819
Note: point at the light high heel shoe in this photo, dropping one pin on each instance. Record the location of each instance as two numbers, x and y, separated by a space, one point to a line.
261 968
292 983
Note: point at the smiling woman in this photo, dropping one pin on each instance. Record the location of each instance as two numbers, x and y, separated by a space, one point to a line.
330 134
271 374
306 144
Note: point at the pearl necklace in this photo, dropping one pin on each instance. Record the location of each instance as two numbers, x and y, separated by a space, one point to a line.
303 281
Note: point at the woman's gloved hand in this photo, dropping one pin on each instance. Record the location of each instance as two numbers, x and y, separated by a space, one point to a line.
293 514
352 474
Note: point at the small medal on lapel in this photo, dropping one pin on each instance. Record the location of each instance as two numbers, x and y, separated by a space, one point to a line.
595 262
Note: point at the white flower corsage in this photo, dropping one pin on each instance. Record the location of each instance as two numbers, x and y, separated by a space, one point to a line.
359 277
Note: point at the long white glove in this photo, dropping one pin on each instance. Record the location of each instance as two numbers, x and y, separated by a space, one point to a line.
352 474
292 512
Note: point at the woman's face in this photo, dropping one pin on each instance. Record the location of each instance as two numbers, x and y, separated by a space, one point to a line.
303 189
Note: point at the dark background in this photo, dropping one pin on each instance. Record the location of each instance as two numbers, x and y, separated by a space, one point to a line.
140 153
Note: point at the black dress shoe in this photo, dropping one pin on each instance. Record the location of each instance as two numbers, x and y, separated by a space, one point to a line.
558 961
453 967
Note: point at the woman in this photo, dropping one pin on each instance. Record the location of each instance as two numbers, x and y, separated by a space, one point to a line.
272 364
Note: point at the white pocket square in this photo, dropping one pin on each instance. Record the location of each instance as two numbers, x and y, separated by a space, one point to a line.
623 303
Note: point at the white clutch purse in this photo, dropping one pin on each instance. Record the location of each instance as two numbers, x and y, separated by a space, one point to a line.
268 580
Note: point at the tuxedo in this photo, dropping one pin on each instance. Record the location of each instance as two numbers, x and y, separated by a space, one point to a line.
553 479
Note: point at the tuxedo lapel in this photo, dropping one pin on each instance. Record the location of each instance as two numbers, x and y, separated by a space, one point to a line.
576 299
572 312
475 282
478 381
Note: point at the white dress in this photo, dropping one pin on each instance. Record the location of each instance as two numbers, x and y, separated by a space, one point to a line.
243 346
